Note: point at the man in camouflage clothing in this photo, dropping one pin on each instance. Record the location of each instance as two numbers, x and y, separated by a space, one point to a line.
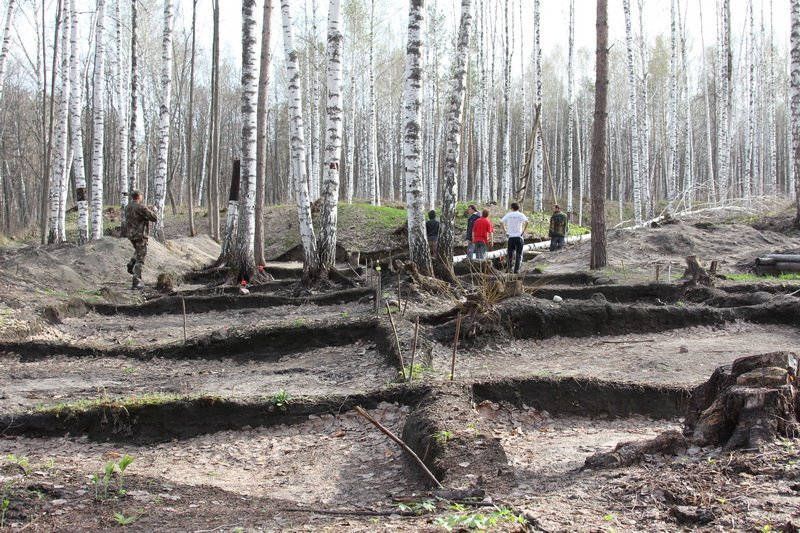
559 227
137 227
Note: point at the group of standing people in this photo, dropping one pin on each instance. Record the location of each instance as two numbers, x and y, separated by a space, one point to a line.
480 233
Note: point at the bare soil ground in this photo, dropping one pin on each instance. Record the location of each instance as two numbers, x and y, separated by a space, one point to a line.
255 402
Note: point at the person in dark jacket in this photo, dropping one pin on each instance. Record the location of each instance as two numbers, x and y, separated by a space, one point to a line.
559 227
137 227
432 231
472 215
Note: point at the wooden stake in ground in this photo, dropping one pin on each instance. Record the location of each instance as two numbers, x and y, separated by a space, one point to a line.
413 350
396 341
400 443
455 347
183 305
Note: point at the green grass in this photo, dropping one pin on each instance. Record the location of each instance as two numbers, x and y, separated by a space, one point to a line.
377 216
81 406
745 277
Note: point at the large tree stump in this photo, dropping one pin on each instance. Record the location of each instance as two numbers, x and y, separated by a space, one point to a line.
756 401
744 405
696 273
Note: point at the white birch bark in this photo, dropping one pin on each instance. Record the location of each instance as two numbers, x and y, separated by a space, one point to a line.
709 152
133 145
772 171
98 121
77 131
505 176
644 123
6 45
265 65
351 140
633 117
333 139
485 183
315 144
298 149
723 103
412 143
58 181
455 113
689 151
570 102
751 88
122 106
795 99
538 175
243 258
372 156
163 120
672 122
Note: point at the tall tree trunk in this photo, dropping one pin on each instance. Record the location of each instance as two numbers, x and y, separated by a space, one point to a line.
672 133
122 122
243 258
213 181
133 163
310 255
599 144
98 103
570 103
538 188
454 120
723 102
58 182
190 126
77 130
795 84
261 131
372 155
12 4
163 120
751 90
333 140
412 143
505 177
708 121
633 118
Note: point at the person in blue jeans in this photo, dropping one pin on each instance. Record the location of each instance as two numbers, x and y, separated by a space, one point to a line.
515 222
472 216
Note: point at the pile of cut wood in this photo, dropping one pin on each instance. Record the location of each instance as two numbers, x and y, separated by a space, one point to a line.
777 263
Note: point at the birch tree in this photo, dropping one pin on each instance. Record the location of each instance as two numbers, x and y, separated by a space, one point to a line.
58 181
795 99
538 180
599 145
77 130
723 101
243 258
298 150
570 102
412 142
163 120
122 122
190 123
4 48
633 117
333 140
98 121
261 130
133 173
453 143
505 176
672 133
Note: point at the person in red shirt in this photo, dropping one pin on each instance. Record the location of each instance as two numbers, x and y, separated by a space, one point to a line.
482 235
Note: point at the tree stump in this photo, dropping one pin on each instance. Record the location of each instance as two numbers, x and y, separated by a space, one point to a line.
744 405
696 273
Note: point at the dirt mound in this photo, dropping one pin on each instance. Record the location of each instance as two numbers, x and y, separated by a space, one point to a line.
735 246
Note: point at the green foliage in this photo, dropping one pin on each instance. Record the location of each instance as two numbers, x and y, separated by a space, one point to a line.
426 506
122 465
21 461
3 509
380 216
125 520
416 371
281 399
105 478
500 516
750 277
298 322
441 437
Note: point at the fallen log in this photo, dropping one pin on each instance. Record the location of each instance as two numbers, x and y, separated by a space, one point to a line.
794 258
785 266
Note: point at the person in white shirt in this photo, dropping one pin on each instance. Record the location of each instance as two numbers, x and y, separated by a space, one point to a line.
515 223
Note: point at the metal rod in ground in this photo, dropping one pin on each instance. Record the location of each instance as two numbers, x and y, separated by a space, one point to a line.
396 342
400 443
455 347
413 351
183 305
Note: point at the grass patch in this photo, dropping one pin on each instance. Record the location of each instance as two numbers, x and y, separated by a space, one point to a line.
82 406
746 277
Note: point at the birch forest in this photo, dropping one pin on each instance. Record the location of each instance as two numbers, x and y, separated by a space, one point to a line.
423 103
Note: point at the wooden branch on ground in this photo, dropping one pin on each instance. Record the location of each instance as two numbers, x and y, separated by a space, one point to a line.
400 443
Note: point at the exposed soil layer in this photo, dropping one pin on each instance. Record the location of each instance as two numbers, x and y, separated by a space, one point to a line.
244 416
